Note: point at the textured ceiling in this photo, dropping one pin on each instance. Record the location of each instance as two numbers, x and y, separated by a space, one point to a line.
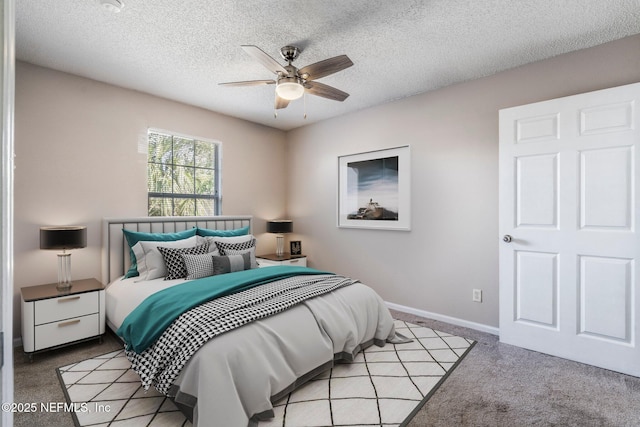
181 50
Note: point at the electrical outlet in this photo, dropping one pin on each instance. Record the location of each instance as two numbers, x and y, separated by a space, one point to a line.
477 295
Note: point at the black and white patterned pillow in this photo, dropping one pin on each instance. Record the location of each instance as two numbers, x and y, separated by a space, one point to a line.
199 266
239 248
176 268
231 263
223 247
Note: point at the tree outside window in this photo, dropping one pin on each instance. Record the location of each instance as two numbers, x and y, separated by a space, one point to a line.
183 175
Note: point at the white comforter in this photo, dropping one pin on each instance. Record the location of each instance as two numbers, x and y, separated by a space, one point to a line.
232 377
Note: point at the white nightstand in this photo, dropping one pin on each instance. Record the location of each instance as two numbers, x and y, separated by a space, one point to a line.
52 319
284 259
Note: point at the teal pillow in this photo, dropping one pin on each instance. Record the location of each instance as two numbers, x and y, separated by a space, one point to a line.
205 232
134 237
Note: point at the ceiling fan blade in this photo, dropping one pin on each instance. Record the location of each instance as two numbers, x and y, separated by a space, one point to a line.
260 56
281 103
325 91
326 67
249 83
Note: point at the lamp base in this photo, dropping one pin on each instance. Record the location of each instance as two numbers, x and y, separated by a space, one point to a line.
64 272
63 287
279 245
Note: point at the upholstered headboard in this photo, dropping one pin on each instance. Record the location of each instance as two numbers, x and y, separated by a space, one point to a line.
115 251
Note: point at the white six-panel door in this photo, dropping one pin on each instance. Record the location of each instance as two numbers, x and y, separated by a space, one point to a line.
569 212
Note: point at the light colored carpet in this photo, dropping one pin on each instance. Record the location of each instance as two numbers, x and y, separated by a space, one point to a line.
497 385
500 385
383 386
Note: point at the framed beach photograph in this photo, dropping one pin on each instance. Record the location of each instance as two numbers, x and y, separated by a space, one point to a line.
374 190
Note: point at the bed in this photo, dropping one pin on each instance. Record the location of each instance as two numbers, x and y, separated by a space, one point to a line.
232 377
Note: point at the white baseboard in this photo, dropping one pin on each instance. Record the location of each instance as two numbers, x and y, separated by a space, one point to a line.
442 318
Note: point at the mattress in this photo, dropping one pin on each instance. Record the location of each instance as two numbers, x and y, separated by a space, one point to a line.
123 295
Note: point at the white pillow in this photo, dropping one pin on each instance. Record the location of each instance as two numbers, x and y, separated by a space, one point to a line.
213 249
149 259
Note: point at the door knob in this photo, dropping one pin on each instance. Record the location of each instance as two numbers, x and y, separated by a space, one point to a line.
507 238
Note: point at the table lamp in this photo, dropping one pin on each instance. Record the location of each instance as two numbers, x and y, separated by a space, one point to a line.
69 237
279 227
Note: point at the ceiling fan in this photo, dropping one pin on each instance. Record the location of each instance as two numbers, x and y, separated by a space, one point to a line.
291 82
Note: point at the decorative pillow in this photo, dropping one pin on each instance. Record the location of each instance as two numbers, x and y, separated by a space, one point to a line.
250 251
223 233
235 244
134 237
231 263
213 240
198 265
238 246
213 249
176 268
150 261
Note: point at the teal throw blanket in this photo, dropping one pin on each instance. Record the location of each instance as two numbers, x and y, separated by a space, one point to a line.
148 321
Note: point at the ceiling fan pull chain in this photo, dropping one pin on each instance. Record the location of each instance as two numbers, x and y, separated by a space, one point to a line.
304 99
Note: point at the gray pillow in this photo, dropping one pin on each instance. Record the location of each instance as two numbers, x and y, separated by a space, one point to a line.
231 263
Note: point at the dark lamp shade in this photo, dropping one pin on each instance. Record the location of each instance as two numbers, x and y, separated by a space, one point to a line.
73 237
280 226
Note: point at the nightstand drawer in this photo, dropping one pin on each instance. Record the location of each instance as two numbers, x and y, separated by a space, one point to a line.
65 331
65 307
298 262
301 262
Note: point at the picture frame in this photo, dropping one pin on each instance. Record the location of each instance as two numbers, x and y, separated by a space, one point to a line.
295 247
374 189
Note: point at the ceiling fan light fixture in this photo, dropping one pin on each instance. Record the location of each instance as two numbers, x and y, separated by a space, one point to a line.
289 88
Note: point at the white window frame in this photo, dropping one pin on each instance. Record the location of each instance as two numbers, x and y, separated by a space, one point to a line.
217 167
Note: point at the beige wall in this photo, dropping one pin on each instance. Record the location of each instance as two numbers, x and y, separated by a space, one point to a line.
81 156
453 132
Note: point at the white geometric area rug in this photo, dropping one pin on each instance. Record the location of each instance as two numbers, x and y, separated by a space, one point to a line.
384 386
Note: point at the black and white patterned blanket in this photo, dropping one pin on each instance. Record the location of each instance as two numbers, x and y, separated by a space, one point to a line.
161 364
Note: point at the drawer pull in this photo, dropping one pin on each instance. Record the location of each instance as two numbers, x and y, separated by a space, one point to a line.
294 260
69 323
68 299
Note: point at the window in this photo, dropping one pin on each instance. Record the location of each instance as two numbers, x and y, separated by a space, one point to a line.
183 175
